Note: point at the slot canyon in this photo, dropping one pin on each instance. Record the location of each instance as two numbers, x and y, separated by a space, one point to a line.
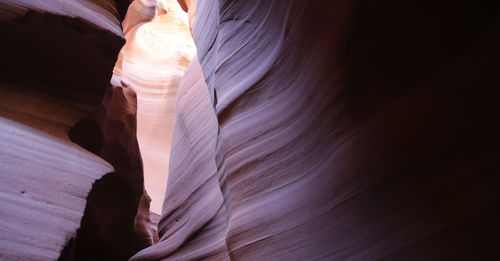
249 130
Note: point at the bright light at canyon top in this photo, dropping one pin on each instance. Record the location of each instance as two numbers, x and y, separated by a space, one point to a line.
158 50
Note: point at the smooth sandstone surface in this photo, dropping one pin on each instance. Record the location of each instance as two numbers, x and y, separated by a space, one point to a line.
45 177
303 130
138 12
44 184
55 70
152 63
102 13
190 200
342 131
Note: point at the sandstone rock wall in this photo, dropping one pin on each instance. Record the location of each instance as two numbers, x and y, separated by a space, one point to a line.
44 185
358 130
158 50
57 62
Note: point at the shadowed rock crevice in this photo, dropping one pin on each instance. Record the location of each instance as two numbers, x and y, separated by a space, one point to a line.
55 70
320 130
43 52
42 65
112 227
47 86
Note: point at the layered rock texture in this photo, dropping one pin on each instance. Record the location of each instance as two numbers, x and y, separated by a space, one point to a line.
303 130
158 50
57 62
44 185
336 130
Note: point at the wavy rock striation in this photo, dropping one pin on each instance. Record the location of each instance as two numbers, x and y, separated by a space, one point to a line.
336 130
44 184
46 177
152 62
193 177
103 14
57 62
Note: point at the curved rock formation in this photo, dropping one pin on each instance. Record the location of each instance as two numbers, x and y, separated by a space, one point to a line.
54 70
117 220
102 13
44 184
45 177
152 63
303 130
139 11
343 130
190 200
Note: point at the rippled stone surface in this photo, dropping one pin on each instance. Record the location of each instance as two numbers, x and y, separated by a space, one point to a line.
46 87
44 185
57 62
158 50
102 13
340 130
304 130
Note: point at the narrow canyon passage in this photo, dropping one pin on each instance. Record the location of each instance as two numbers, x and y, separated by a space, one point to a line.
152 62
287 130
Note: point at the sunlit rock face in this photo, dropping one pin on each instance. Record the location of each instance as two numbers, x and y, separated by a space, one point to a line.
192 178
336 130
152 62
139 11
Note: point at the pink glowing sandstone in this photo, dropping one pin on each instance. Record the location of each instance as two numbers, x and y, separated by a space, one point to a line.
152 62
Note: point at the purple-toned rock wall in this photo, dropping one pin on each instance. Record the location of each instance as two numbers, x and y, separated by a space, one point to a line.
336 130
304 130
57 62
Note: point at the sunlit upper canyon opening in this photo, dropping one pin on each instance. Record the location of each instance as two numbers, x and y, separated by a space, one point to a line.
249 130
157 52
